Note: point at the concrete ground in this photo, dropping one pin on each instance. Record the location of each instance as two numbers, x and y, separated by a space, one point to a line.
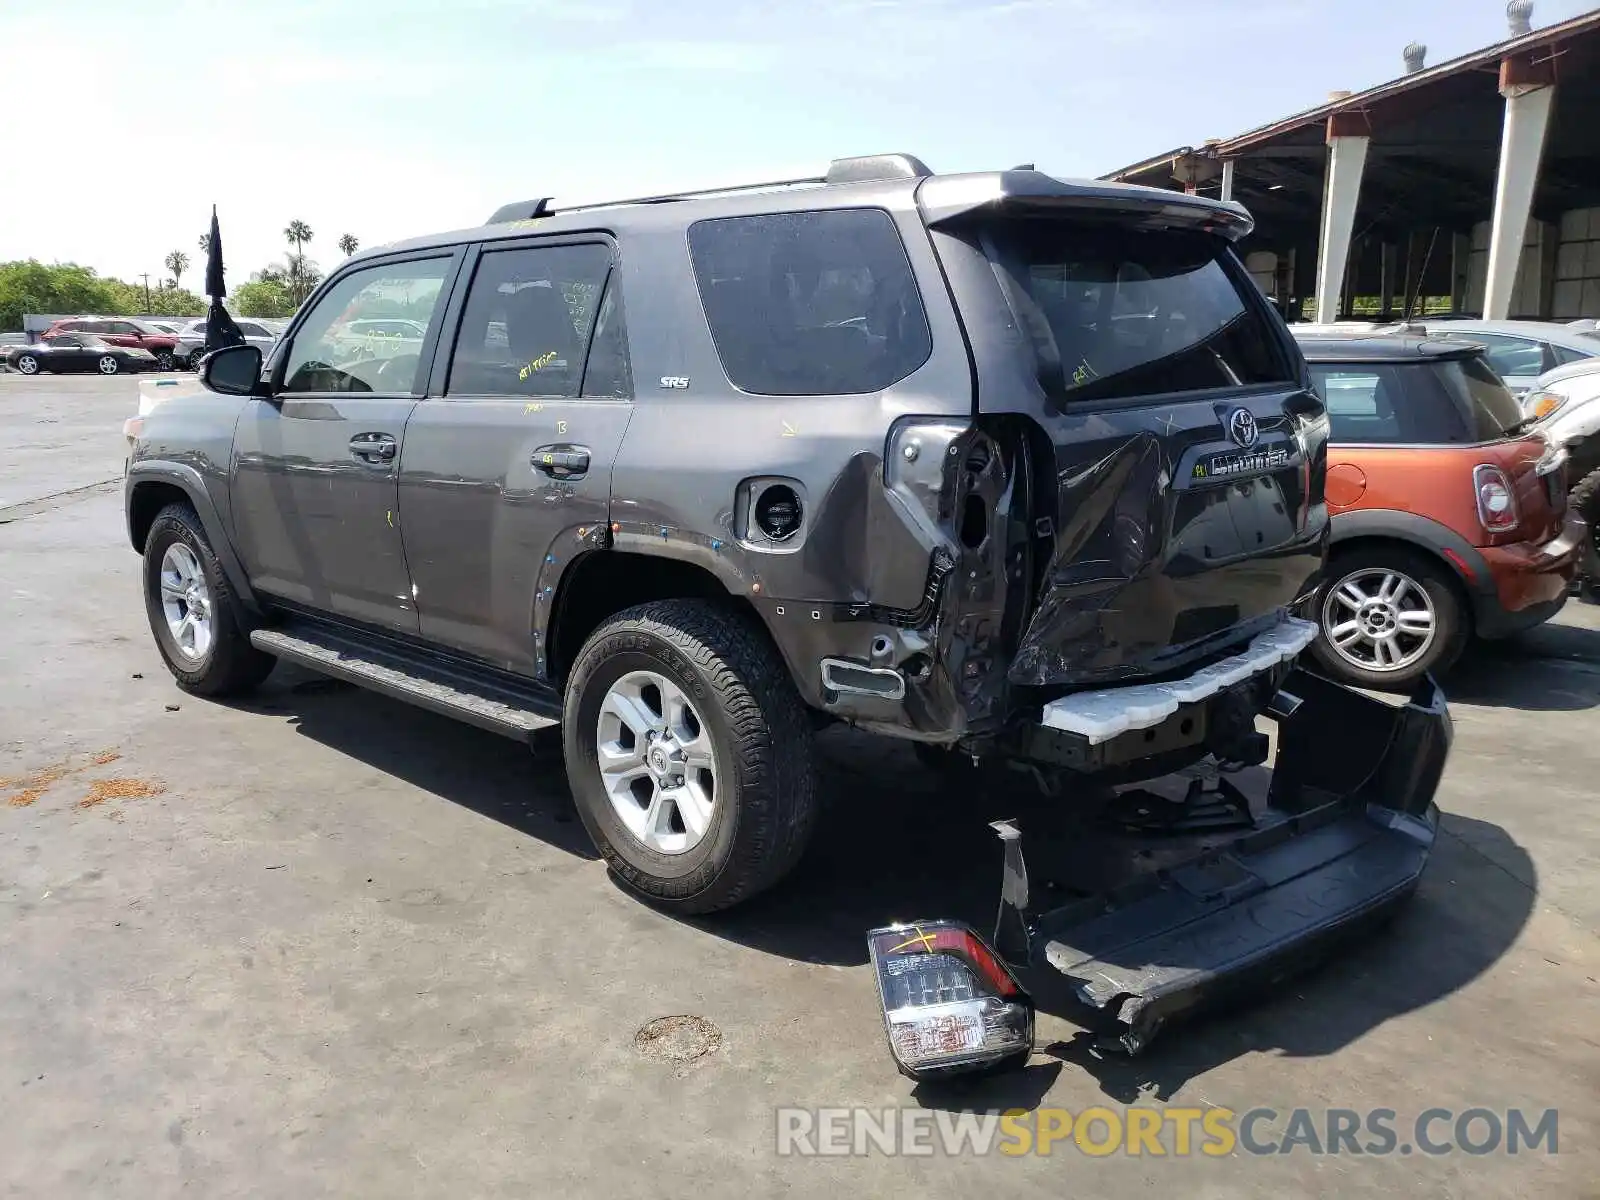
323 944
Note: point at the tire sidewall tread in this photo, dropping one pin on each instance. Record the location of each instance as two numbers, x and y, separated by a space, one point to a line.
233 664
766 805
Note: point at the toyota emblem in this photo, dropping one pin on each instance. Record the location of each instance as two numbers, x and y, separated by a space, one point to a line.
1242 427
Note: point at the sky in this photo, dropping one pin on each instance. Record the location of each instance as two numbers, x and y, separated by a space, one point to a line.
123 121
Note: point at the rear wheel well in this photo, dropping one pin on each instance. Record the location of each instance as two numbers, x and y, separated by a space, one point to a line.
147 500
604 582
1372 543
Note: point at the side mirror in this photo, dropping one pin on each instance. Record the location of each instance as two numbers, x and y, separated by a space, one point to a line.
233 371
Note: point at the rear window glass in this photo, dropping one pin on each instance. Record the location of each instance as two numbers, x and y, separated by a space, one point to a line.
812 303
1455 402
1488 406
1116 313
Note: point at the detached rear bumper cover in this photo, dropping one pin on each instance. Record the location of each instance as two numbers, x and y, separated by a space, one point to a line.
1348 830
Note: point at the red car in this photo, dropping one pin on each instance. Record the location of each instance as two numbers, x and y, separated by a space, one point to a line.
1449 513
123 331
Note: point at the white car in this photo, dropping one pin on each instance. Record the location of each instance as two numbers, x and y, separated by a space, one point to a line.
191 346
1565 403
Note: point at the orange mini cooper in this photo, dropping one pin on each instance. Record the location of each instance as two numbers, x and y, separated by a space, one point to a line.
1449 517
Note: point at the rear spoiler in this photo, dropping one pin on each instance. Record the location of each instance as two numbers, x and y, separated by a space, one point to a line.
946 199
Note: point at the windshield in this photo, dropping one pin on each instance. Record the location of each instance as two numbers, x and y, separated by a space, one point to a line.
1116 312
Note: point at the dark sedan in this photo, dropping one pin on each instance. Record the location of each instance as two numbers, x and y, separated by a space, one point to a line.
77 352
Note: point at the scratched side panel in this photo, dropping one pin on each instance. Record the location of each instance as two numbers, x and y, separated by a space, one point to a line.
677 482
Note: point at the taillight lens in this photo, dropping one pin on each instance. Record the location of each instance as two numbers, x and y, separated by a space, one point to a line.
949 1004
1497 506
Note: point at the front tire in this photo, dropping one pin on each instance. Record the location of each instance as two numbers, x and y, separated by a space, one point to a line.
27 364
689 754
192 610
195 359
165 361
1386 617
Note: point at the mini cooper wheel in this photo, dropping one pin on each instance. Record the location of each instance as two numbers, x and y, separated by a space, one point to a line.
108 364
1385 618
27 364
689 754
192 610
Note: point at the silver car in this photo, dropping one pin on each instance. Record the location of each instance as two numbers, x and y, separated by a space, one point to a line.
1521 351
191 346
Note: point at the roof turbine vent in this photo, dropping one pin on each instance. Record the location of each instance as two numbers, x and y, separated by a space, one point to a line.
1519 16
1416 56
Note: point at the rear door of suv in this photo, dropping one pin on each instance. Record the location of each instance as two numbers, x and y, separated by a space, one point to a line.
506 471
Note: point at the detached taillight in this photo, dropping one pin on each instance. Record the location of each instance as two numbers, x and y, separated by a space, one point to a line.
1497 506
949 1004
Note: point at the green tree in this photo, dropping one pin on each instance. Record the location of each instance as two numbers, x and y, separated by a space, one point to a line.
297 233
264 298
205 243
349 244
177 262
33 287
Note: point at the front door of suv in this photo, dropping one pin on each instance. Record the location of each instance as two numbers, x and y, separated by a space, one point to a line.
506 472
314 498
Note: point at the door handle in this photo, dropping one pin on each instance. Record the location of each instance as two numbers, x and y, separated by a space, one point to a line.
561 461
374 447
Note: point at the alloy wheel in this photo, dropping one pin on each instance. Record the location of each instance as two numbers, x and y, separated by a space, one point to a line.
186 601
108 365
656 762
28 365
1379 619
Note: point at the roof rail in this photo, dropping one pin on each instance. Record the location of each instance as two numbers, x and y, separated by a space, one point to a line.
863 169
521 210
870 168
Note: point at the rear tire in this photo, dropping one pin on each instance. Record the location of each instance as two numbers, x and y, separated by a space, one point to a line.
1358 624
1585 501
109 365
747 728
225 663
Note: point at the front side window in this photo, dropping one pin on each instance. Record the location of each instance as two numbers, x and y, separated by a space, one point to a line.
811 303
249 330
526 323
333 353
1118 313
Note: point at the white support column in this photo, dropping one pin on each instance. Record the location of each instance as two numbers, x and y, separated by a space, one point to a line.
1227 179
1528 94
1347 160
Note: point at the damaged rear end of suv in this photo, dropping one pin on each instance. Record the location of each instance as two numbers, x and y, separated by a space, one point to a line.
1130 521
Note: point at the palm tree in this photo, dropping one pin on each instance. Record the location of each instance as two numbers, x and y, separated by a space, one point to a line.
205 243
297 233
177 262
348 244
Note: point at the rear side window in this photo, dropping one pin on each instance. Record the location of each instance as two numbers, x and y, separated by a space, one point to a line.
527 321
810 303
1483 400
1117 313
1509 356
1453 402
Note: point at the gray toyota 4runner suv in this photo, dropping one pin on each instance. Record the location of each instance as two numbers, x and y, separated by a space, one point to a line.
1012 467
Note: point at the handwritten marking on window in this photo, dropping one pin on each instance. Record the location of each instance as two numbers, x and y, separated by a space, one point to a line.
544 360
1084 374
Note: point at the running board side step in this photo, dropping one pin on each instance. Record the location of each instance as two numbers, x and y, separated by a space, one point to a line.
418 679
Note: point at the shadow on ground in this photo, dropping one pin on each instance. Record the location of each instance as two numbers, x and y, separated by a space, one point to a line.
491 775
897 841
1555 668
